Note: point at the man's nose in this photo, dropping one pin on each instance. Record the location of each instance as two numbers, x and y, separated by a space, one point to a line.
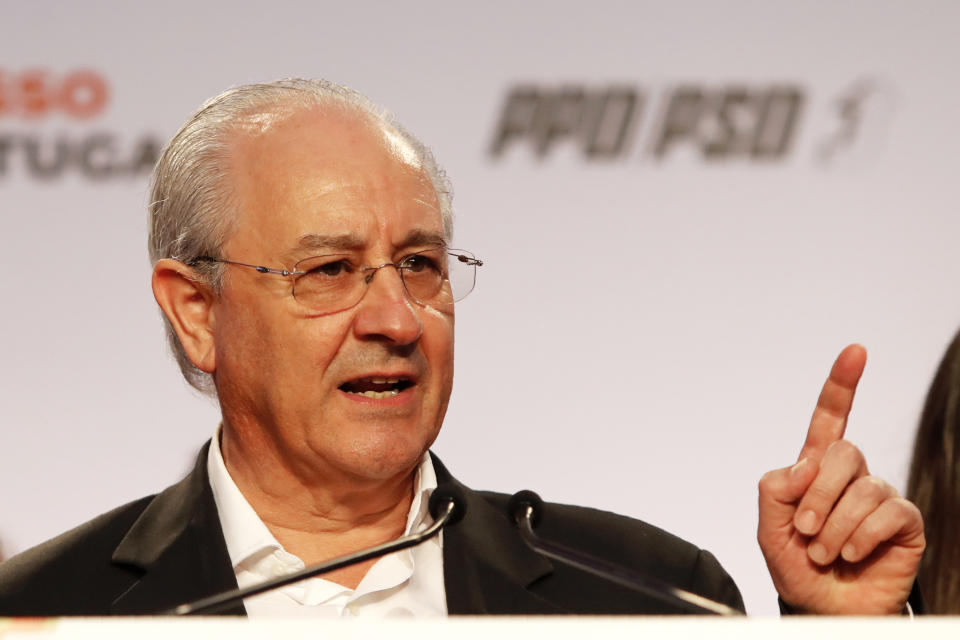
386 309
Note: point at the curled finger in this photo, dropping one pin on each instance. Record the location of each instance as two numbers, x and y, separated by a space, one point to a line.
861 498
895 520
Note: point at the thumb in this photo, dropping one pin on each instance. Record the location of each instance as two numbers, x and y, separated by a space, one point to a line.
780 490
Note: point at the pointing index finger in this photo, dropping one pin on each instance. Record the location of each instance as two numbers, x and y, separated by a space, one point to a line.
829 419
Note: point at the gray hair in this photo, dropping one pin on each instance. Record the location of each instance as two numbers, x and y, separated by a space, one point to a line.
192 201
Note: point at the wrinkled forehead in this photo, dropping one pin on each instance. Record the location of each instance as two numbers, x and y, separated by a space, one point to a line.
323 169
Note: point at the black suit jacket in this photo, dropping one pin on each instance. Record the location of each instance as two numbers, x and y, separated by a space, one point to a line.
167 549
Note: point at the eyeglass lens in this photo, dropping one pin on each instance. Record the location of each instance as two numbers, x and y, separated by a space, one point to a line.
435 277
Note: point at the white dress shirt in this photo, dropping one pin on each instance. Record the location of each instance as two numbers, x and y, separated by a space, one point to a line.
405 583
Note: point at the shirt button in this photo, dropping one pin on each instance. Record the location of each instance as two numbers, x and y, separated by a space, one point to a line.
278 570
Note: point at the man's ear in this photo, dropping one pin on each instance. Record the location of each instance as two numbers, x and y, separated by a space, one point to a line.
187 301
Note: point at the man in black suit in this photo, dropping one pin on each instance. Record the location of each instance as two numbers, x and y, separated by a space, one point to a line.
162 551
301 259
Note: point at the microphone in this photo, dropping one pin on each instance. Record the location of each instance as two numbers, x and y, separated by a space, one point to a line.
449 503
447 506
526 511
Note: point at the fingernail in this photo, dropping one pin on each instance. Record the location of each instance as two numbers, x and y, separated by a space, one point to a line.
807 522
817 553
795 469
848 552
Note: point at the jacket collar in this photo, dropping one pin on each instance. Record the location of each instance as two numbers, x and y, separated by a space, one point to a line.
487 567
177 543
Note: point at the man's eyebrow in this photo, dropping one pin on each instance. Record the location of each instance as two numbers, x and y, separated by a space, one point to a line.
343 242
353 242
421 237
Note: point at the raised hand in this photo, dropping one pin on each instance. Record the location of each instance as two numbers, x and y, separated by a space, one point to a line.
836 539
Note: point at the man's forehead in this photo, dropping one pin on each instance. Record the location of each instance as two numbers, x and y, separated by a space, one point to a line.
338 150
323 129
327 175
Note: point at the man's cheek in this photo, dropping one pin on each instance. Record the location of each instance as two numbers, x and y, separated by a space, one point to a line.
316 344
438 344
239 344
438 326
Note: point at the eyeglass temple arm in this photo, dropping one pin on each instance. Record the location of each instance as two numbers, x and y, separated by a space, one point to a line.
259 268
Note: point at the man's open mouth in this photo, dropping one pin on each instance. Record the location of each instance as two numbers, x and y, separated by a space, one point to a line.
376 387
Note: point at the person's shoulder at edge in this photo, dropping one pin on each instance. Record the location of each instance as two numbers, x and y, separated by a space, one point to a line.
79 572
635 544
54 571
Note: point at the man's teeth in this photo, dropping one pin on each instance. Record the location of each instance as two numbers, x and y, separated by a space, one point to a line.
387 387
375 394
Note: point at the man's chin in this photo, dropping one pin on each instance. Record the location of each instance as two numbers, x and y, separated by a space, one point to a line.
383 455
384 468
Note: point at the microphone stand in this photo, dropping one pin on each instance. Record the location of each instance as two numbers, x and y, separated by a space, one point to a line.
220 601
691 602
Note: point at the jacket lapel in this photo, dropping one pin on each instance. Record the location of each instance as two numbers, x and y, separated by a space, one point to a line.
487 567
178 545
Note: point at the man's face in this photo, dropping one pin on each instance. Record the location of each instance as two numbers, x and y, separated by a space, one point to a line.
320 183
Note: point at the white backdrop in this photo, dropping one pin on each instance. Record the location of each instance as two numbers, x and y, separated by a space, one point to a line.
649 333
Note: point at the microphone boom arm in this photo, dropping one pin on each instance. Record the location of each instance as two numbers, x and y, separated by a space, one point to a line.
221 600
617 574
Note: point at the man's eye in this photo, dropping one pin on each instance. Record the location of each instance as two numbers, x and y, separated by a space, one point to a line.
331 269
418 263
